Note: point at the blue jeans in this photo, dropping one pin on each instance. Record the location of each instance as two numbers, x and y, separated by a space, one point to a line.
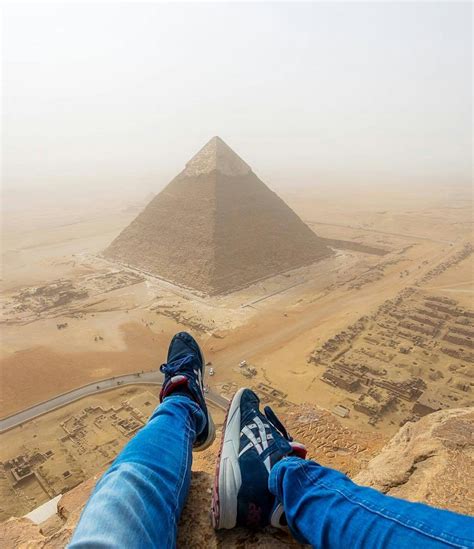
138 501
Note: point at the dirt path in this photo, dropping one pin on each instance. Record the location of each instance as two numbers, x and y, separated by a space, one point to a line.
258 338
377 231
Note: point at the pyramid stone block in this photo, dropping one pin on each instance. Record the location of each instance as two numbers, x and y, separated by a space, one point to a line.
216 228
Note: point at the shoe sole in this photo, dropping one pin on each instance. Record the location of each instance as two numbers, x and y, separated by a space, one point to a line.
228 479
211 435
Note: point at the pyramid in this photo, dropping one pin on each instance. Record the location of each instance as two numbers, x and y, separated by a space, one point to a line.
216 228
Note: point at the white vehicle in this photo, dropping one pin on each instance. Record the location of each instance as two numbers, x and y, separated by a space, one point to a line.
243 363
211 371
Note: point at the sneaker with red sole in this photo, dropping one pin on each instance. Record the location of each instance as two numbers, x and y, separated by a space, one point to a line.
252 443
184 373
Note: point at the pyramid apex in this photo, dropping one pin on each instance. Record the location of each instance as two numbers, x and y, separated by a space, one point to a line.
216 155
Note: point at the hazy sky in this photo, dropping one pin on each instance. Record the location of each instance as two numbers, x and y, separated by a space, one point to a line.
304 92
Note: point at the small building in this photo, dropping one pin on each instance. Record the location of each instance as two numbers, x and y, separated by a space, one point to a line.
427 404
374 402
338 378
456 339
341 410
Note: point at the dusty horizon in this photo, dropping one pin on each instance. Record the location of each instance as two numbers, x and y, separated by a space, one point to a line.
318 94
321 252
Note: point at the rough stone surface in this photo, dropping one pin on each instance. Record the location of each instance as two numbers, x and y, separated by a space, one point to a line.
216 155
74 499
431 461
18 533
216 228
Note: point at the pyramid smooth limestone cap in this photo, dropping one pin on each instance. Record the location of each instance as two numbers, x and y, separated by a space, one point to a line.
216 155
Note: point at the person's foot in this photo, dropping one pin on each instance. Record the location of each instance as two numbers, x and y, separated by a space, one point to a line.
251 445
184 374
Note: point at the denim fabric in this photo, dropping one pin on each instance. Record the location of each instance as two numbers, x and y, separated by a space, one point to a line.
327 510
139 500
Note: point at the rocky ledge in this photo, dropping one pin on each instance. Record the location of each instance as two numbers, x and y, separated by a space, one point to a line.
429 461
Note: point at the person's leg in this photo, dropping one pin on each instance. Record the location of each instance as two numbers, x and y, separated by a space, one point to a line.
326 509
138 501
259 476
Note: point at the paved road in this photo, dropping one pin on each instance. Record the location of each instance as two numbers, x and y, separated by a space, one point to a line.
154 377
368 297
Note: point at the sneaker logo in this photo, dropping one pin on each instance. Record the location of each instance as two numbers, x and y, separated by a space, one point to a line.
199 376
258 438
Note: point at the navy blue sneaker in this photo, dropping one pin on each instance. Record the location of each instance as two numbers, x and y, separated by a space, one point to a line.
184 373
251 445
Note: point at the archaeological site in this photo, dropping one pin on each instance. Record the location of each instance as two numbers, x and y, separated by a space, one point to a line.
320 254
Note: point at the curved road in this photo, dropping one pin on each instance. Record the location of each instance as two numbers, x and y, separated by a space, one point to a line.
147 378
369 296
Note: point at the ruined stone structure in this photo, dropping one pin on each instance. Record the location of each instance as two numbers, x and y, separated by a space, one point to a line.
391 357
339 378
427 404
216 228
458 340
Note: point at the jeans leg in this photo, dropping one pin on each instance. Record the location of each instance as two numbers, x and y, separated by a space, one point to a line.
326 509
138 501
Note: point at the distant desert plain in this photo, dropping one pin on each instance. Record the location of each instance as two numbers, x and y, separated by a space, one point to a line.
378 333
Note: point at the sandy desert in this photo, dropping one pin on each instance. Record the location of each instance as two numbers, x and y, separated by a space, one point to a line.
378 333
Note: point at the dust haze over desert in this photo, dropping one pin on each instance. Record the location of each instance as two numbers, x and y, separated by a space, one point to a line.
289 182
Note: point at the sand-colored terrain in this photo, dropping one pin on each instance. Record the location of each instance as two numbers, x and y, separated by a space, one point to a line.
427 461
55 452
70 317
